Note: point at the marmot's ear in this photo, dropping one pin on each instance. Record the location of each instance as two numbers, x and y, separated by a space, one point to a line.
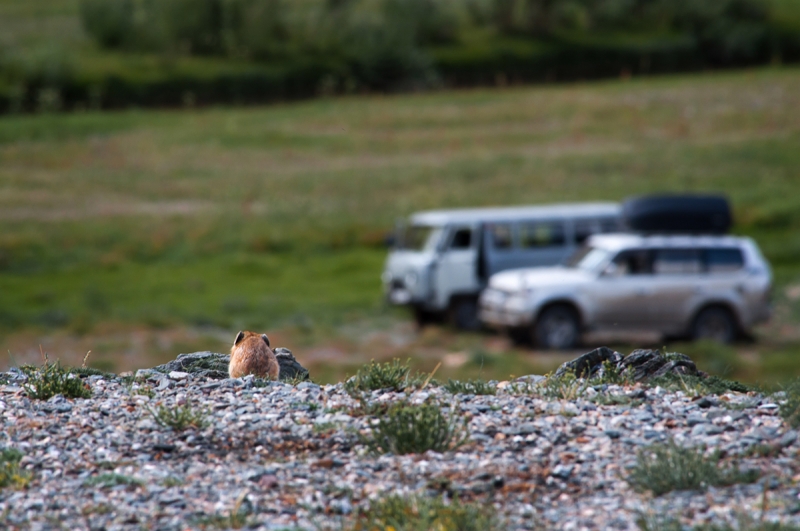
265 338
239 337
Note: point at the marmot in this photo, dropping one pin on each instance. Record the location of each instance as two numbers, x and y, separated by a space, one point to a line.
251 354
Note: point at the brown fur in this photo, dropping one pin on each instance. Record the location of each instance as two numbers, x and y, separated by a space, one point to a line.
251 354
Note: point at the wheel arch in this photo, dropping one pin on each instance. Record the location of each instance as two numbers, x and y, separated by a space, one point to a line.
717 303
561 301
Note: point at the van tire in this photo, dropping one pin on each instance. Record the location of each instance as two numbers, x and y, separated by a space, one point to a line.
557 328
715 323
463 314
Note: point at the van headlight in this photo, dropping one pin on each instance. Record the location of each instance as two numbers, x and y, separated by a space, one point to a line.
411 279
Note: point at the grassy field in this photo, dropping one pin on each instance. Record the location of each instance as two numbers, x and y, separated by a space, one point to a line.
137 224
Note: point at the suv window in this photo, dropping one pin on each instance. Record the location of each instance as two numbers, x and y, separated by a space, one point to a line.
633 262
501 235
544 234
722 260
678 262
462 239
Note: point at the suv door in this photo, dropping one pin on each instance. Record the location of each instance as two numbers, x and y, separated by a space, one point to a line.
679 282
456 271
620 297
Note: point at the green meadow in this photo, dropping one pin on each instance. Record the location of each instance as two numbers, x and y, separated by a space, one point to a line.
273 218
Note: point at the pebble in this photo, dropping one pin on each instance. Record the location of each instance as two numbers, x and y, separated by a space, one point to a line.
291 457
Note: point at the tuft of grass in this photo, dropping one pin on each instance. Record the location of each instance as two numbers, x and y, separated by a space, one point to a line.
180 417
661 522
470 387
695 385
52 379
662 468
108 480
171 481
10 474
416 428
375 376
420 513
790 407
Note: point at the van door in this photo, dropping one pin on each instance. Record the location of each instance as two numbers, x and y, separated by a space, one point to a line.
456 267
498 247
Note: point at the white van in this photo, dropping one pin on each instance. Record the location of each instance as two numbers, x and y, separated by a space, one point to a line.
442 259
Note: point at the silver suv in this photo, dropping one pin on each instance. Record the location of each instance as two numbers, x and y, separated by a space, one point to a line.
713 287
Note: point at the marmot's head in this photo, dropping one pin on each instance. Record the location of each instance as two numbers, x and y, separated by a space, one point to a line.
242 335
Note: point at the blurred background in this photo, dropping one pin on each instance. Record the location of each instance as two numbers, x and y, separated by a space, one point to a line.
173 171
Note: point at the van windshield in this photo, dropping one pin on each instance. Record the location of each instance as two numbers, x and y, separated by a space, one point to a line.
587 258
419 237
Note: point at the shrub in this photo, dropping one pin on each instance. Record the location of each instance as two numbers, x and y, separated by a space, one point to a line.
419 513
375 376
10 474
181 417
412 429
470 387
52 379
662 468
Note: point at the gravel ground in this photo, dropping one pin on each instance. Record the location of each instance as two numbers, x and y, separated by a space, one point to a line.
290 457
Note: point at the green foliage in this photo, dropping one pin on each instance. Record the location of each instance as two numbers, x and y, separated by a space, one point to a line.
407 428
10 474
661 522
108 480
180 417
662 468
52 379
695 385
374 376
470 387
421 513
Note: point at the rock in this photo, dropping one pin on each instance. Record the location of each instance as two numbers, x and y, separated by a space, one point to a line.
215 366
590 363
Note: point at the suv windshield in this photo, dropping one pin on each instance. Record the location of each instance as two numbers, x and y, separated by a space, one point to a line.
587 258
417 237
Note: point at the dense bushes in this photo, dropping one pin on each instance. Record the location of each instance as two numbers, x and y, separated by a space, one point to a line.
298 48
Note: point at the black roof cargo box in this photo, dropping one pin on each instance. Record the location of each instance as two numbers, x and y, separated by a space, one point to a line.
687 214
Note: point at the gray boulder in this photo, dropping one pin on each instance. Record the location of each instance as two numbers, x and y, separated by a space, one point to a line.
215 366
642 363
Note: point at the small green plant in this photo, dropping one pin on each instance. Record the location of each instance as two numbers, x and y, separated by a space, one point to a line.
325 427
609 374
698 386
662 468
171 481
181 417
52 379
470 387
419 513
415 428
661 522
144 390
10 474
374 376
111 479
564 387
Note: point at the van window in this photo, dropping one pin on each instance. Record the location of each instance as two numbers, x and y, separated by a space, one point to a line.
586 227
501 235
544 234
416 237
633 262
677 262
462 239
724 260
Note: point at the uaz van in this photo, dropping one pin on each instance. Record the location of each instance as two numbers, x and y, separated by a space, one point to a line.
442 259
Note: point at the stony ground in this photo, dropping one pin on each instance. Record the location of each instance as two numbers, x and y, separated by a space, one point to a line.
289 456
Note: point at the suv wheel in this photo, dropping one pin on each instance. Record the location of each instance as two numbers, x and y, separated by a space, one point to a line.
464 314
557 328
716 324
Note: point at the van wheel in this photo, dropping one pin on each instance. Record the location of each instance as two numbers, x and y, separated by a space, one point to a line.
557 328
464 314
716 324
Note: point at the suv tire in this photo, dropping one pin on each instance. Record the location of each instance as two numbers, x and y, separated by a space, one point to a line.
557 328
464 314
716 324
